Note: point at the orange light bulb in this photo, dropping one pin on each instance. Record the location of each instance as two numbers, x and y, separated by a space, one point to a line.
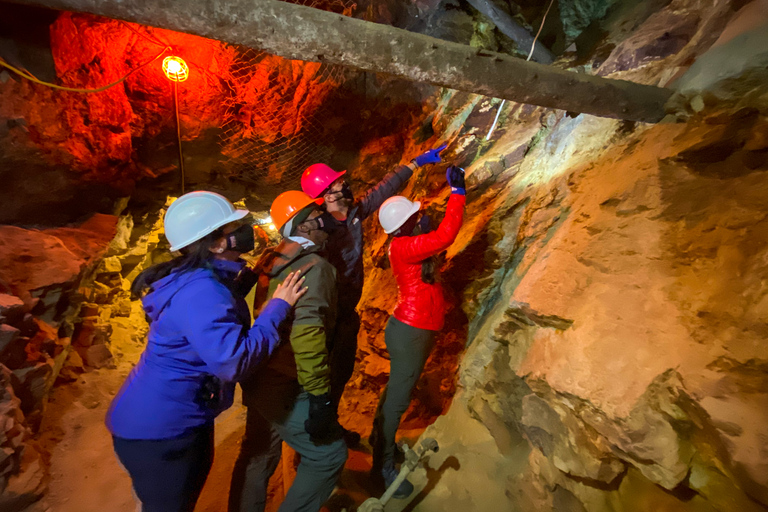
175 68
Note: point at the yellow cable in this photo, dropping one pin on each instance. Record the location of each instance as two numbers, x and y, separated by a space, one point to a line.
30 77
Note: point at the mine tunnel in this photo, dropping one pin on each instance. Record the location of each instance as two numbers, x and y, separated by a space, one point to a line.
605 301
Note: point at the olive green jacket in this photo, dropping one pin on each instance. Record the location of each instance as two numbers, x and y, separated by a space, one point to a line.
307 357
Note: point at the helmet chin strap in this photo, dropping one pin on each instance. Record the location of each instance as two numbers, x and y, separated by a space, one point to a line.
334 197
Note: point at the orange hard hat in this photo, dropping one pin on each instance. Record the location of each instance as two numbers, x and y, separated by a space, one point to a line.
288 204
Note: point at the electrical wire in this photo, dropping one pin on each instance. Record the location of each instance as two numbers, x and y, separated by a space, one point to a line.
178 131
151 39
32 78
533 46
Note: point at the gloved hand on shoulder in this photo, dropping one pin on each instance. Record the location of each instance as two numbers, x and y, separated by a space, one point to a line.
455 177
429 157
322 424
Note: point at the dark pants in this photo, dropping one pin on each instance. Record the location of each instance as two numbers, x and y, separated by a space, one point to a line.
168 474
259 456
278 411
408 348
344 350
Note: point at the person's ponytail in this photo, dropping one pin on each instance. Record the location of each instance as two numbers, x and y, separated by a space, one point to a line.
428 270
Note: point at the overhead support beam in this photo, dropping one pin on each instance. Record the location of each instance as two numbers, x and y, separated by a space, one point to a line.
304 33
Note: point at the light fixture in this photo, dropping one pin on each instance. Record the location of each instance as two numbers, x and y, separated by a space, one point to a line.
176 70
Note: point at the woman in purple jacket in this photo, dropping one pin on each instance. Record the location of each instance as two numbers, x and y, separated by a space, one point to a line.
200 343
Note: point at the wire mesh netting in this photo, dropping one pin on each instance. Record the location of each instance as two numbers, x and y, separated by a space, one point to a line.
276 119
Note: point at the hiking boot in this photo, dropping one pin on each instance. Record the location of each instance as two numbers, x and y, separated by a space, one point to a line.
389 473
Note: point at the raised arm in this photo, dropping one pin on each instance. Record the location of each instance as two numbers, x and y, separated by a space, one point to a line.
418 248
385 189
395 180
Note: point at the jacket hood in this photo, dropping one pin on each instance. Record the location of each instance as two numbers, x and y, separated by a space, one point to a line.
163 290
286 253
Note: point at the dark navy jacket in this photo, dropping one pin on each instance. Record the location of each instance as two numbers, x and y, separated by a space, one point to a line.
199 329
345 246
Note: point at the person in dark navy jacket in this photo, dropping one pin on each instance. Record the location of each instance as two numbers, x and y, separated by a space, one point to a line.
200 343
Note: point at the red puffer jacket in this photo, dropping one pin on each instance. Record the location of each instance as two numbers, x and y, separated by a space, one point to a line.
419 304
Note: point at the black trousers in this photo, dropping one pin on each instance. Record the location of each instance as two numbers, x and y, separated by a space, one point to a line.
168 474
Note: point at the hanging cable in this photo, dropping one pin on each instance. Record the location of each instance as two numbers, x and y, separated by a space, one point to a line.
151 39
178 132
533 45
32 78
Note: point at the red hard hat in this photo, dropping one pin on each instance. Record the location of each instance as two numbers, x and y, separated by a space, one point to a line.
318 177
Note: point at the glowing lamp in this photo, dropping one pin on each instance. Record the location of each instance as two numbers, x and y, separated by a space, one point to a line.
175 68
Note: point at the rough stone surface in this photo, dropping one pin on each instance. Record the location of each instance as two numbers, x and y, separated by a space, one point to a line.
30 386
11 346
32 260
11 309
610 281
92 331
96 356
12 429
110 265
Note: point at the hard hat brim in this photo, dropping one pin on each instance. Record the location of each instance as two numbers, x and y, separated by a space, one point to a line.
416 208
234 216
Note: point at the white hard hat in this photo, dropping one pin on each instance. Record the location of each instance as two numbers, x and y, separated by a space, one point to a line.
196 214
395 211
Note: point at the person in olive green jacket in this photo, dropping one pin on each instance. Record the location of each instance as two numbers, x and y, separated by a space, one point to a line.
289 398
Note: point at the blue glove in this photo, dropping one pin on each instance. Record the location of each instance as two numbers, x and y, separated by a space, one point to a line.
430 157
455 177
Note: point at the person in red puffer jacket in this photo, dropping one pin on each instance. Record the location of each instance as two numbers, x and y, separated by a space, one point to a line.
418 315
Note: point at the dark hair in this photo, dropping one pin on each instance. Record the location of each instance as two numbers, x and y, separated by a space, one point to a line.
428 270
192 257
429 265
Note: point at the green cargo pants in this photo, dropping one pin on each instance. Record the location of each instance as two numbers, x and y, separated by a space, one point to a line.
278 412
408 348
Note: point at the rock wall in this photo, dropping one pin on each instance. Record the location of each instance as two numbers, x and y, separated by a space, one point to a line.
65 309
45 276
609 285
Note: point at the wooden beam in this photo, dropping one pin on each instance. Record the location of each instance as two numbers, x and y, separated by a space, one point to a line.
303 33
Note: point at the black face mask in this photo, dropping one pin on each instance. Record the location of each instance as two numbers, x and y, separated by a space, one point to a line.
242 239
345 193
